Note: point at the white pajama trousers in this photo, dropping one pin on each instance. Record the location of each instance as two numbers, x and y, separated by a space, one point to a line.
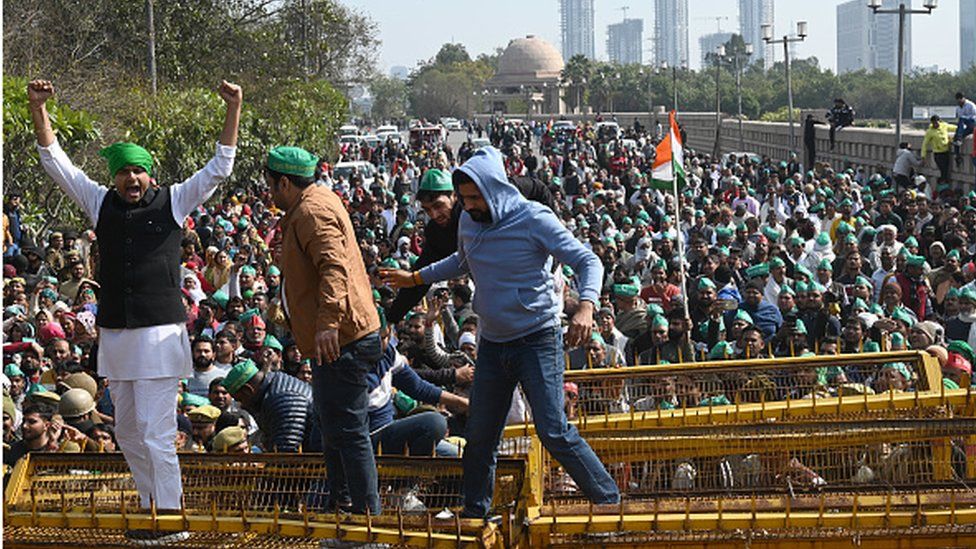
145 427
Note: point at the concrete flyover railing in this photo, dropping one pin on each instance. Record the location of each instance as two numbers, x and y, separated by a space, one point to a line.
873 147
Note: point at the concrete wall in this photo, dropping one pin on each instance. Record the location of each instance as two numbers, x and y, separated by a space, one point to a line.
860 146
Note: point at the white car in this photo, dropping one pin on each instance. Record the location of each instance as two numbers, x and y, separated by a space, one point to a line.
452 124
372 140
480 142
350 139
609 129
348 129
386 132
564 125
345 170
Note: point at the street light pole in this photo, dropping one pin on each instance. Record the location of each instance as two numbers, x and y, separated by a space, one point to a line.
738 91
720 54
903 12
801 34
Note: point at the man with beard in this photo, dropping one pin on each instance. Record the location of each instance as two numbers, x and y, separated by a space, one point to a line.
36 434
204 369
631 319
509 246
437 198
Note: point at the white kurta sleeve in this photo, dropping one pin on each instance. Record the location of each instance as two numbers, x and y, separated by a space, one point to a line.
85 192
200 186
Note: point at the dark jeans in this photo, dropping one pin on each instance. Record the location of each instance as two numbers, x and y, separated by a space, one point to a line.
942 160
903 182
811 147
339 389
536 361
417 434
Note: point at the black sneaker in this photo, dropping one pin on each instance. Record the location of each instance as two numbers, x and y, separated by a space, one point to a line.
149 538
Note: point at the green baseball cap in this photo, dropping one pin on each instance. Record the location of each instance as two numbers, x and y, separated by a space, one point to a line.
436 180
292 161
239 375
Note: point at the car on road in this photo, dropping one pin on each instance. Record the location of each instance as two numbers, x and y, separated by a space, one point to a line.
372 140
563 126
346 170
451 124
348 129
607 130
350 139
480 142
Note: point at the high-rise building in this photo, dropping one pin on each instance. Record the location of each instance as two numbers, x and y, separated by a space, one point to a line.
708 43
576 25
869 41
967 34
671 32
624 41
753 14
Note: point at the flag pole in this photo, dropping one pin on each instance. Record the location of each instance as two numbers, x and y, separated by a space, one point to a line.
677 218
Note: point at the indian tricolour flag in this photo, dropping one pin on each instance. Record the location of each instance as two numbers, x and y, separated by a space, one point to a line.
668 170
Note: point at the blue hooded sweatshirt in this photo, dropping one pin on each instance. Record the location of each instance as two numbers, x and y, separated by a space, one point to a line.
510 258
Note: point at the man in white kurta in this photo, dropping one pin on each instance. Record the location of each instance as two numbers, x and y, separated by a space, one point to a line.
143 364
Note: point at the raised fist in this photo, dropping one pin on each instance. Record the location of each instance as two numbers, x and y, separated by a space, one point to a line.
230 93
39 91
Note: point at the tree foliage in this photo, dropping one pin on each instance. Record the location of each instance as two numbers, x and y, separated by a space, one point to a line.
389 98
290 56
76 131
604 86
450 84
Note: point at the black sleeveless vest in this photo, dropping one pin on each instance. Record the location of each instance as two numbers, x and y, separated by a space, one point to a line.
139 262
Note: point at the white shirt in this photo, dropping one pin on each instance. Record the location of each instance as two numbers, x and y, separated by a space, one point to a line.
967 110
151 352
905 160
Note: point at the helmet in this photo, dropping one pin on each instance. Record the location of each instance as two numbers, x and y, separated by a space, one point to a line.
80 380
75 403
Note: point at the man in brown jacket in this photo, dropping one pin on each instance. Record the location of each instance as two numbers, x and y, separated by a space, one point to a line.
329 303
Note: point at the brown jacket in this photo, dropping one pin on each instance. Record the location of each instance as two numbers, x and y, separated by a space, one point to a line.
323 276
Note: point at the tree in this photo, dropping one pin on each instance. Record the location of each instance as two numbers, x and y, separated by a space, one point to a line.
389 98
43 203
448 85
577 73
452 54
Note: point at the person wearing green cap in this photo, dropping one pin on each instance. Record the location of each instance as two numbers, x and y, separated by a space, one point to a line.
438 200
18 381
143 345
282 405
916 291
269 356
508 245
328 299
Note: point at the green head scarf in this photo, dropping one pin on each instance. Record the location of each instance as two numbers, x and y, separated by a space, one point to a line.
120 155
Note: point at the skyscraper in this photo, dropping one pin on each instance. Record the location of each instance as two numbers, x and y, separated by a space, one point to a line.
671 32
753 14
708 43
967 34
624 41
576 25
869 41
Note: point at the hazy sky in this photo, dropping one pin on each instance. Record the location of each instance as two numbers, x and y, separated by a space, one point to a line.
413 30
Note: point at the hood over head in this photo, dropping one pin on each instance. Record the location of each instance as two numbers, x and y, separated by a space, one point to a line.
487 169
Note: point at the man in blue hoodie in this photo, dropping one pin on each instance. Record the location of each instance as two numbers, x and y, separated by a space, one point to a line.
508 245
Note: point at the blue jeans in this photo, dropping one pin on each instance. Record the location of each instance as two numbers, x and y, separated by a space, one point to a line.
964 127
535 361
339 389
418 434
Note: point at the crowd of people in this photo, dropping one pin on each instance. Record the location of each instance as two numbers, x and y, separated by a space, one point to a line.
780 259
